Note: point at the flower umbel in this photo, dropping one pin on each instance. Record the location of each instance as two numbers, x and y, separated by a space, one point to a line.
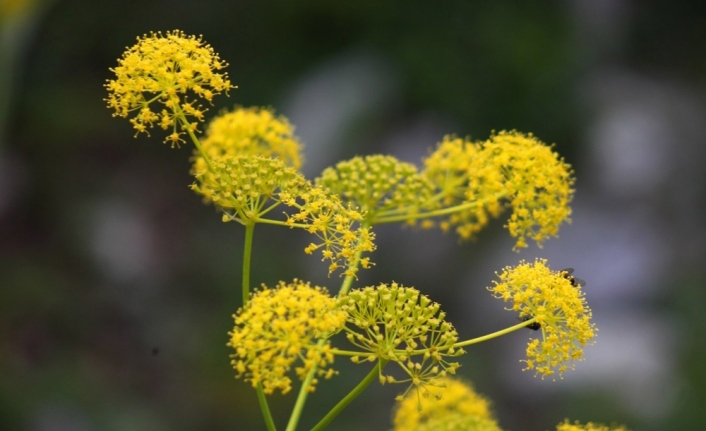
279 326
560 309
170 70
251 131
341 236
399 324
457 407
250 185
378 183
449 169
590 426
531 177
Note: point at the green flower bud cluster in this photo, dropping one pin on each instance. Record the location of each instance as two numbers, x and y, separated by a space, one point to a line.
397 323
378 183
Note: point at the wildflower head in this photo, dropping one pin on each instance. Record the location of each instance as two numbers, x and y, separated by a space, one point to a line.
279 327
397 323
170 71
247 184
378 183
252 131
590 426
561 311
457 406
341 236
534 181
449 169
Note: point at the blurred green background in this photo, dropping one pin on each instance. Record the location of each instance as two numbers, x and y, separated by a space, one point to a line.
117 285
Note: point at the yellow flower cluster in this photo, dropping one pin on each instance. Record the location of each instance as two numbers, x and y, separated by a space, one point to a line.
172 70
341 237
576 426
378 184
279 326
247 184
561 311
251 131
458 407
532 177
508 170
449 169
397 323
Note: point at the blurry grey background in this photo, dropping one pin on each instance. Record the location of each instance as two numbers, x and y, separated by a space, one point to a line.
117 285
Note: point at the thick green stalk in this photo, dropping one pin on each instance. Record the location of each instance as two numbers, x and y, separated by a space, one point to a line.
247 253
338 408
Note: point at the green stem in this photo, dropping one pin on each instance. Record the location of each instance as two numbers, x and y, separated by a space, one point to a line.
436 213
247 254
282 223
304 390
496 334
351 396
187 126
269 422
301 397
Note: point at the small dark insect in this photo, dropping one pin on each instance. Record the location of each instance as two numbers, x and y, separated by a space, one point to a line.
533 326
155 351
566 273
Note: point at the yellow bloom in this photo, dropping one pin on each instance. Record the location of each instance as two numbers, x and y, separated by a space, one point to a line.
561 311
249 187
171 70
399 324
449 169
456 407
247 184
341 236
375 184
590 426
252 131
532 178
508 170
280 326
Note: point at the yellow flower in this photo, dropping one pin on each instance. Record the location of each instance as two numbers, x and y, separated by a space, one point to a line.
170 70
449 169
456 407
531 177
247 184
560 308
341 236
399 324
458 422
376 184
252 131
508 170
249 187
281 326
590 426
